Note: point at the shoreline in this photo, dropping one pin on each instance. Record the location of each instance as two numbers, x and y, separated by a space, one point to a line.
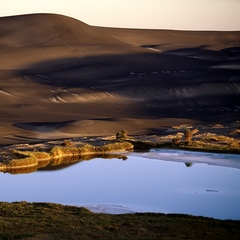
31 156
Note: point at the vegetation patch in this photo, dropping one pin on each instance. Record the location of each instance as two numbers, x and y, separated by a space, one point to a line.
22 220
122 135
27 160
192 139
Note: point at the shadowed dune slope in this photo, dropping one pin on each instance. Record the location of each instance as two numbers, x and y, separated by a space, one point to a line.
60 77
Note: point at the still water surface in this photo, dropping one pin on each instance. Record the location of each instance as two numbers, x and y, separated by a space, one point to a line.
167 181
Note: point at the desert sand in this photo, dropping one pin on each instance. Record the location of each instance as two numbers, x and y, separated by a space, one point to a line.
61 78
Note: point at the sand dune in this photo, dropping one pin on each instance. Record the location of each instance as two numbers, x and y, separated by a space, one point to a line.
41 30
60 77
165 40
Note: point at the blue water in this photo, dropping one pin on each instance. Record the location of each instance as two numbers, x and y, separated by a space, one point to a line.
155 181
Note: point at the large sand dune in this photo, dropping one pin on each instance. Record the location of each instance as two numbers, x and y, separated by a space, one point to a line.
60 77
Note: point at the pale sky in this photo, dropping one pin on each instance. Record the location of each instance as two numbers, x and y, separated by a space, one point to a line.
156 14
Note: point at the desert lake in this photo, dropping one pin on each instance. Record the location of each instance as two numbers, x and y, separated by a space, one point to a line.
167 181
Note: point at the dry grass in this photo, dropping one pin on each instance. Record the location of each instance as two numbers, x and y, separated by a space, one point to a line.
217 138
27 160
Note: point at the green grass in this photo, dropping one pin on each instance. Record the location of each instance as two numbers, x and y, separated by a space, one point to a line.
22 220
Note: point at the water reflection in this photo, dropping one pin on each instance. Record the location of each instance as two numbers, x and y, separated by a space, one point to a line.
142 183
188 164
65 162
61 163
191 157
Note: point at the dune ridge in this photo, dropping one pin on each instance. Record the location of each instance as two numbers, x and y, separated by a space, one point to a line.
68 78
41 30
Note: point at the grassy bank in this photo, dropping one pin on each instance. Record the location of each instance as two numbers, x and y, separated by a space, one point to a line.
192 139
22 220
197 145
32 160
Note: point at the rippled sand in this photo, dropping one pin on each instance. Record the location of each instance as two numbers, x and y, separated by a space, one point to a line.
60 77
